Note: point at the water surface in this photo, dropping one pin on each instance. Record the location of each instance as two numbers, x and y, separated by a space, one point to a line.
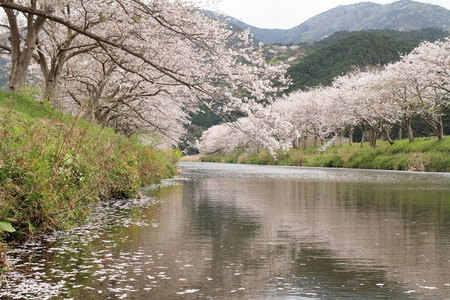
224 231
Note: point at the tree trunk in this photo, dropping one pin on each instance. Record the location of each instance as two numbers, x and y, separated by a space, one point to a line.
50 91
21 55
362 136
409 131
441 129
388 136
350 136
17 77
52 75
373 135
436 125
295 143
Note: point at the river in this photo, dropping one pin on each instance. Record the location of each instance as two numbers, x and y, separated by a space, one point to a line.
223 231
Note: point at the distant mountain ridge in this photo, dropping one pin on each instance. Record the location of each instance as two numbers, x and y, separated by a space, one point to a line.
404 15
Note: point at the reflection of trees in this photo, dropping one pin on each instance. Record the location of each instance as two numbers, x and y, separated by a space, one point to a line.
417 207
360 233
314 266
238 232
229 229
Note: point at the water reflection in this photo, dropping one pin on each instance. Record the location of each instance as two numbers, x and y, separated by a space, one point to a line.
252 232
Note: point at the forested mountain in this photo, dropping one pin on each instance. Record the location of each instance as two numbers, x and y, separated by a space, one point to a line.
293 53
343 51
404 15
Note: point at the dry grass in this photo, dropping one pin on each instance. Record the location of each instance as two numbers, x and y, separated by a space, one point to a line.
191 158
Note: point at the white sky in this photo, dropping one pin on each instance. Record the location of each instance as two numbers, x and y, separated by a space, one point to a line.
285 14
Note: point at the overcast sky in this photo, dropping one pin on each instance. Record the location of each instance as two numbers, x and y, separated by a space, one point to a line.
285 14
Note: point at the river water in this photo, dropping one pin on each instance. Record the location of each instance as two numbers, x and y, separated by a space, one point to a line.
222 231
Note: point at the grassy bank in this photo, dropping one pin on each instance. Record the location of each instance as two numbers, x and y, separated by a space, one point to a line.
423 154
54 167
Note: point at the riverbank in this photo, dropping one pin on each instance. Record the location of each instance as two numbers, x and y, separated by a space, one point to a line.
423 154
55 167
191 158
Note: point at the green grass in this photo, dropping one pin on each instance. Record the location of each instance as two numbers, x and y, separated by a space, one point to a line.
423 154
54 167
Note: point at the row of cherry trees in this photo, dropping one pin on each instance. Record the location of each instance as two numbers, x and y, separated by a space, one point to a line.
134 64
379 98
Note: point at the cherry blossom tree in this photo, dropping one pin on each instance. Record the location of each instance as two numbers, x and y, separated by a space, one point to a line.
225 139
399 85
310 112
362 95
255 132
56 45
144 56
108 95
168 43
428 66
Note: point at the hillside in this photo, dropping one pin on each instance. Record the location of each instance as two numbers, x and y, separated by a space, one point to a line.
360 50
404 15
293 53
